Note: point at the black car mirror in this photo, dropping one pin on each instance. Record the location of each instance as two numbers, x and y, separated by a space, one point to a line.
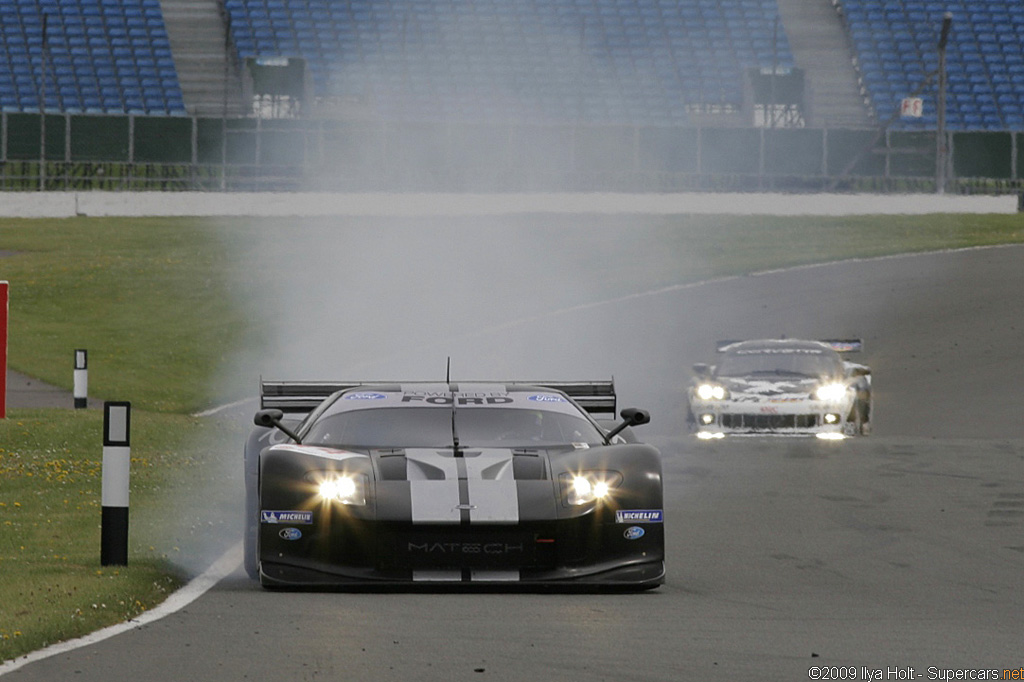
631 416
272 419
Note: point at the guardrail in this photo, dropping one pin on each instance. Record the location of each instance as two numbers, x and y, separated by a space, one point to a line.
86 152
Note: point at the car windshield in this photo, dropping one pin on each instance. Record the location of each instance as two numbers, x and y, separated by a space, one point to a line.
431 427
795 361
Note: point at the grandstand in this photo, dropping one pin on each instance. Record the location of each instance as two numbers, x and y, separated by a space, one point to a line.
628 62
87 56
641 62
895 48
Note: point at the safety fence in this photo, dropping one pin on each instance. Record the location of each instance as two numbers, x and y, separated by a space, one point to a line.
82 152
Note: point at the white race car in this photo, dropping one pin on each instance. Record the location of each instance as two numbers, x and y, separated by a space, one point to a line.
781 387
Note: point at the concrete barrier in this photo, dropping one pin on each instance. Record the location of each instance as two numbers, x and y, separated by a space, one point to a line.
307 204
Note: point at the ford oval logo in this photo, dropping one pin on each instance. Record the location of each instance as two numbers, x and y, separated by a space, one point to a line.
633 533
365 396
290 533
546 398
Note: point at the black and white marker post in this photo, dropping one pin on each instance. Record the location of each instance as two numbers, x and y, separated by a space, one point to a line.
116 460
81 379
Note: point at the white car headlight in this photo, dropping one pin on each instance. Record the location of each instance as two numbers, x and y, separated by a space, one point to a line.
833 392
589 486
343 488
711 392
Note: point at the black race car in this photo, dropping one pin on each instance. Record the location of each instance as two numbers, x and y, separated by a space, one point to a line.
470 483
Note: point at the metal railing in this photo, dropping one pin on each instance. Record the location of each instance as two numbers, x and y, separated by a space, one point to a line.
84 152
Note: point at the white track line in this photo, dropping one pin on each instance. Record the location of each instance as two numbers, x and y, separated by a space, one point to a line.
196 588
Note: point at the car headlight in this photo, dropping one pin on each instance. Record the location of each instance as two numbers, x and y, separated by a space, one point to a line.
831 392
589 486
711 392
342 488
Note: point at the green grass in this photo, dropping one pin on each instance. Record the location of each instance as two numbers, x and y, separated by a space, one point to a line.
184 493
161 305
145 297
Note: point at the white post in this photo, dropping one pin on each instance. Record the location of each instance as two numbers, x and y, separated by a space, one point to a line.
116 461
81 379
3 348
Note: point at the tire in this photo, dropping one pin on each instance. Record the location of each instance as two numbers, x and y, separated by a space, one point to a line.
251 523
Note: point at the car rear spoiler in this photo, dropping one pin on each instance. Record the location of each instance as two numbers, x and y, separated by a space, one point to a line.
302 397
596 397
838 345
298 397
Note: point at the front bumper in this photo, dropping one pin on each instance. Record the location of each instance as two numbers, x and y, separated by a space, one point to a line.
808 418
344 552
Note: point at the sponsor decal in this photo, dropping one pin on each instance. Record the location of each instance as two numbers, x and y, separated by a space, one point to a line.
633 533
547 398
450 548
780 351
290 533
298 517
639 516
365 396
459 400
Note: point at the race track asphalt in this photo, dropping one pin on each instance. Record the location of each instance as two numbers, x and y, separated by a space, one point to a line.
901 552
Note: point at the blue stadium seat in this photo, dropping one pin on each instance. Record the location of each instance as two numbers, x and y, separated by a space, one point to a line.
85 39
632 37
984 45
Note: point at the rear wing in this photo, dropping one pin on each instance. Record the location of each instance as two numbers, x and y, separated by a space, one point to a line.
302 397
844 345
298 397
596 397
838 345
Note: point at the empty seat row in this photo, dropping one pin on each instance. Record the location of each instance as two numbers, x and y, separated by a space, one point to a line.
896 46
651 61
92 56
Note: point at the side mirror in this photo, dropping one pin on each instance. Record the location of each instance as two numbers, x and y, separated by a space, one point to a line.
855 370
631 416
268 418
272 419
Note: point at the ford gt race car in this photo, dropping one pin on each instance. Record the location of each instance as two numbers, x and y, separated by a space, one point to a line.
439 484
781 387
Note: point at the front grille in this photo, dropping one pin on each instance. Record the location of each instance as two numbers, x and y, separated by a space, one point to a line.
769 421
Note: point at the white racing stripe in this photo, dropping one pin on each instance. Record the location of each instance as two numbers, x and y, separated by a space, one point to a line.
493 494
491 497
494 576
438 576
435 501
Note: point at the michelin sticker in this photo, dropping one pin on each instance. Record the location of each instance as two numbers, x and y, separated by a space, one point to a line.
639 516
297 517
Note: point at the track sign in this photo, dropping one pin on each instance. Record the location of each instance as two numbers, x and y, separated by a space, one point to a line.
912 107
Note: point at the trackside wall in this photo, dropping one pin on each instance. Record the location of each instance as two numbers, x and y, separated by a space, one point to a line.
85 152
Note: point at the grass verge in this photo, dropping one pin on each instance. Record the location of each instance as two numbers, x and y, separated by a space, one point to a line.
52 586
